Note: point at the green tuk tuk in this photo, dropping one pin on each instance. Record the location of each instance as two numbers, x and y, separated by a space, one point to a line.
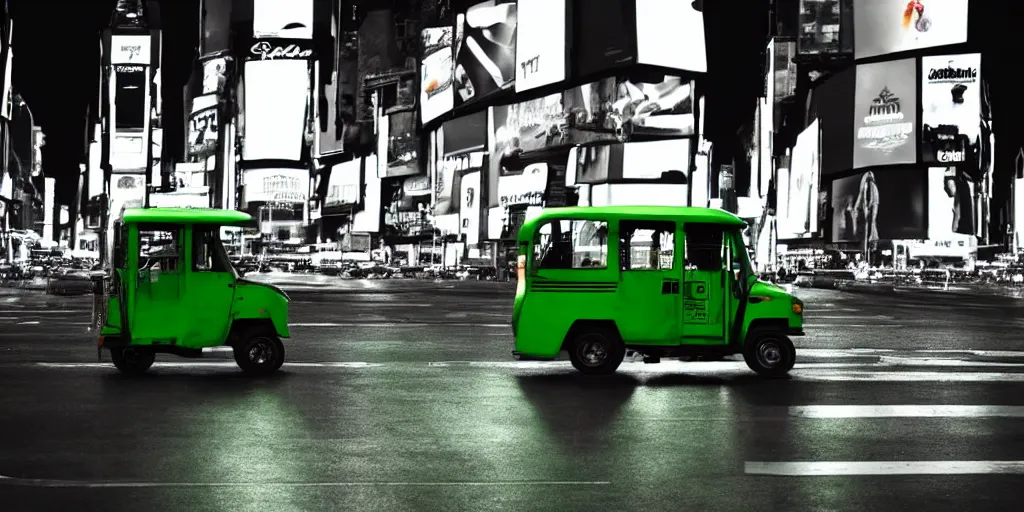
172 290
597 282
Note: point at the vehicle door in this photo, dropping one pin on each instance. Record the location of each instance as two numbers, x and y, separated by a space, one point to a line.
650 291
706 285
209 289
156 316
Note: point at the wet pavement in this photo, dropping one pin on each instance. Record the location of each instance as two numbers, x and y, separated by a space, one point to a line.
408 399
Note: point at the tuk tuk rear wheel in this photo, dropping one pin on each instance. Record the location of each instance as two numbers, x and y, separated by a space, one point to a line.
769 352
596 351
259 353
131 360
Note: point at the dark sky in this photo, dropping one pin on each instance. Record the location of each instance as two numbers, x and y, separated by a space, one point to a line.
57 60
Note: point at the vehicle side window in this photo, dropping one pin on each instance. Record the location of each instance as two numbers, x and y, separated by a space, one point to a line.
647 245
566 244
704 247
206 256
158 249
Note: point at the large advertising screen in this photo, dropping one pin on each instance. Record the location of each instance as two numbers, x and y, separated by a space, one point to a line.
540 43
292 19
448 180
485 50
885 114
879 205
826 27
276 94
436 97
465 134
685 50
470 208
276 185
951 204
603 36
950 108
403 144
800 219
130 50
618 110
882 27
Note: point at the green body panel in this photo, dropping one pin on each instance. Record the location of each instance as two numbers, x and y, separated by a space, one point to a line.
702 312
181 304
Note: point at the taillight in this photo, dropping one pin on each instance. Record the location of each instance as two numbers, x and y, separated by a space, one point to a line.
521 267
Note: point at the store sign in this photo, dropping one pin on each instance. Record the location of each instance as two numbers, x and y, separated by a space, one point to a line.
281 49
130 50
524 189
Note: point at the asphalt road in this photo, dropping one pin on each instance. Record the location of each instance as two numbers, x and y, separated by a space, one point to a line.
409 400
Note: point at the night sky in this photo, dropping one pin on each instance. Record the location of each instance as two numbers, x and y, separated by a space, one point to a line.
56 69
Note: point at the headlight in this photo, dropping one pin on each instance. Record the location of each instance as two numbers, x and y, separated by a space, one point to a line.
798 306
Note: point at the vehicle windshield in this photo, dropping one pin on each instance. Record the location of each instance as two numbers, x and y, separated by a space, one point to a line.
742 256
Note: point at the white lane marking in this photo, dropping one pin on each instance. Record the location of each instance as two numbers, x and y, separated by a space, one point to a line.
890 376
849 317
34 482
865 468
215 364
28 323
819 326
44 311
399 324
932 361
906 411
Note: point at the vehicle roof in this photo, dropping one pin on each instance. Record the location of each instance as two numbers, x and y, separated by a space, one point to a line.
671 213
185 216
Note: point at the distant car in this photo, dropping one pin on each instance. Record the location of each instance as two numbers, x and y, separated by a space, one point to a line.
69 282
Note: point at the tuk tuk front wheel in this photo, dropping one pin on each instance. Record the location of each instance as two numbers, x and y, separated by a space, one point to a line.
131 360
769 353
596 351
259 353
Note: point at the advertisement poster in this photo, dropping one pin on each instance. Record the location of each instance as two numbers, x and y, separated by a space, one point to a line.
950 204
529 126
343 187
276 185
202 126
447 182
466 134
950 108
826 27
526 188
413 195
130 50
801 216
885 113
654 19
603 36
540 43
331 125
879 205
403 144
470 209
274 18
664 108
485 50
590 115
215 73
882 27
649 160
276 94
436 97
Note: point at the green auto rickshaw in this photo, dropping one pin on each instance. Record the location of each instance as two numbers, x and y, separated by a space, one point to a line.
172 290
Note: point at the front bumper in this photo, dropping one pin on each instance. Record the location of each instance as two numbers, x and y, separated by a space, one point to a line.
792 331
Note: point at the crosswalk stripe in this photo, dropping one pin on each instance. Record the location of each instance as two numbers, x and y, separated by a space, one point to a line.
866 468
906 411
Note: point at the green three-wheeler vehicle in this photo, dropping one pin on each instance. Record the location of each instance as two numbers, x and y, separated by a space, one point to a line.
172 290
597 282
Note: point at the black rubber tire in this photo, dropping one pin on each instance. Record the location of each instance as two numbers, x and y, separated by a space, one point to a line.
769 352
131 360
259 353
607 343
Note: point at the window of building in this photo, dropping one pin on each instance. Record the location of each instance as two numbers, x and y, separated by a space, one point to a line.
130 97
647 245
566 244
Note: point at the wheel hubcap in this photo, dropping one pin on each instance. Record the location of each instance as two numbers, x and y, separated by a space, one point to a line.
769 353
261 352
593 353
